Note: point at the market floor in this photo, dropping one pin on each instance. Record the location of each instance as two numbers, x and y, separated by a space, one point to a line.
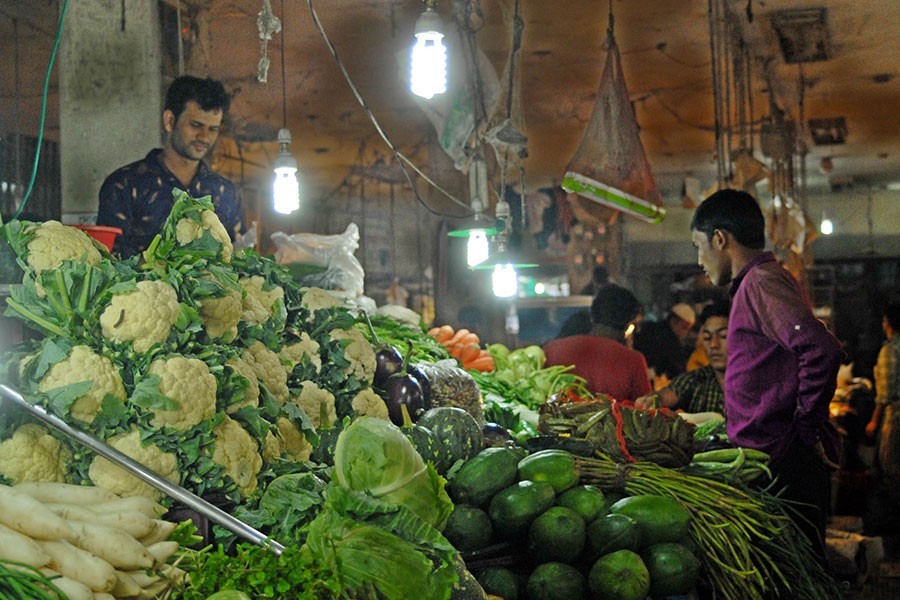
884 584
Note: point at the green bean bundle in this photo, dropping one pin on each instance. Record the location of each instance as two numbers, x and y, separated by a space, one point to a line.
18 580
751 549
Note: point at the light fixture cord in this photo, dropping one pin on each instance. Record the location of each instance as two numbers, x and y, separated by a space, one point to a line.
283 77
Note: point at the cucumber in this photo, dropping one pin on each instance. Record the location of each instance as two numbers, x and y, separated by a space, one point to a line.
468 528
556 467
514 508
658 518
484 475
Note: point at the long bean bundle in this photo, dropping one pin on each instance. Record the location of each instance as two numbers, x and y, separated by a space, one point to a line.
751 549
19 580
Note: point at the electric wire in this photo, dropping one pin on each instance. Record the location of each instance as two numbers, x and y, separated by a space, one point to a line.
40 140
397 154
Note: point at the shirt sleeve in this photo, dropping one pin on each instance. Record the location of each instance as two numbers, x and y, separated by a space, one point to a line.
114 210
884 375
228 209
786 318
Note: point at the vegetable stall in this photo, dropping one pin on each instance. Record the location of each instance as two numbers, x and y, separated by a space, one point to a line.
389 461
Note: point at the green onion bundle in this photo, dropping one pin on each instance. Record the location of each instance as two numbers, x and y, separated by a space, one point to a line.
18 580
751 549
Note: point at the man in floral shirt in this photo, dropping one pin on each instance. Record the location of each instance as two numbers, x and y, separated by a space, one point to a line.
138 197
887 404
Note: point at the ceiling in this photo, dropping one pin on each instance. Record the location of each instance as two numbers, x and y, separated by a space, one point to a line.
666 60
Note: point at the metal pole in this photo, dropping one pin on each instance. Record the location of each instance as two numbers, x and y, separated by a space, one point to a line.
191 500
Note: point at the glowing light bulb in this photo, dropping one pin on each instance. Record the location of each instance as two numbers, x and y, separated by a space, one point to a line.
477 247
505 281
429 57
286 189
827 227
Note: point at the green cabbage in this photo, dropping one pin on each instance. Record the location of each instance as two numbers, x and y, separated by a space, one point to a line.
373 456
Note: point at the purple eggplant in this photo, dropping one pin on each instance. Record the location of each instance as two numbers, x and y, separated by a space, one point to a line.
403 389
387 358
424 383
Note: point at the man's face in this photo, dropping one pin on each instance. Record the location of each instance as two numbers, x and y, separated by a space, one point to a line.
195 132
712 256
714 338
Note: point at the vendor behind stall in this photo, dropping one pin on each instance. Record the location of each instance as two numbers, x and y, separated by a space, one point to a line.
138 197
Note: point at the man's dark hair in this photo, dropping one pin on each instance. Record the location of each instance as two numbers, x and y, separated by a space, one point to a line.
892 314
615 307
716 309
578 323
208 93
733 211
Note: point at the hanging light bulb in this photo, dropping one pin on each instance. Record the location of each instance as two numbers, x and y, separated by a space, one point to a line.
287 188
505 280
477 248
428 76
826 227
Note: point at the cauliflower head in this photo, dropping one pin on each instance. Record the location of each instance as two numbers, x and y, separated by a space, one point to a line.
316 299
54 242
188 382
32 454
289 441
293 354
359 352
236 450
114 478
220 316
187 230
84 364
268 369
368 403
318 404
258 304
143 316
251 394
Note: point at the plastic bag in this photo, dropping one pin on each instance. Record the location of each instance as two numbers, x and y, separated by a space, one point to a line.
342 271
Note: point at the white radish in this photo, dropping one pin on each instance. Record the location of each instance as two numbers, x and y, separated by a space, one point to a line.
132 522
20 548
142 504
80 565
161 532
143 578
50 491
103 596
153 591
26 515
112 545
74 590
173 573
126 586
161 551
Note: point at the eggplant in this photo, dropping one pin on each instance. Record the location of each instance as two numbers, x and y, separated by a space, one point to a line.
388 360
403 389
424 383
495 435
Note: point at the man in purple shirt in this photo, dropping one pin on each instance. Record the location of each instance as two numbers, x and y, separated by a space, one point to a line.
782 361
138 197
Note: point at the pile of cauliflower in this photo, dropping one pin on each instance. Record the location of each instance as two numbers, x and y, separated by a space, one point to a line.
207 365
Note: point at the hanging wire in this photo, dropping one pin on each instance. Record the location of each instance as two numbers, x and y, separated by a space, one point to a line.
180 40
394 151
283 76
37 152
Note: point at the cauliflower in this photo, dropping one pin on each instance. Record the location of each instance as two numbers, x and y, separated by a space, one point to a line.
289 441
188 382
220 316
268 369
187 230
258 305
368 403
143 316
236 450
293 354
54 242
318 404
316 299
114 478
251 394
32 454
84 364
359 352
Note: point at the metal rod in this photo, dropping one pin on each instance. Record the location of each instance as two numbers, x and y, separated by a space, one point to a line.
190 499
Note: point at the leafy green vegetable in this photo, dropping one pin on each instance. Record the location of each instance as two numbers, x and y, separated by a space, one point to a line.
373 456
381 545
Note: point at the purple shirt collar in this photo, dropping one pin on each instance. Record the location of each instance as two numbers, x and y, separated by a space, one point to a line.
764 257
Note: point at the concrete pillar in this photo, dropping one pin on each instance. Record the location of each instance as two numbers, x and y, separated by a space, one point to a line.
110 95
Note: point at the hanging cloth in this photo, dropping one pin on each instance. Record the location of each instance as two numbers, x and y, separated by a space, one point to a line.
609 172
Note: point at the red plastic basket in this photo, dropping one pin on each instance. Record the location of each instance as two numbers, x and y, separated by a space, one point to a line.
103 234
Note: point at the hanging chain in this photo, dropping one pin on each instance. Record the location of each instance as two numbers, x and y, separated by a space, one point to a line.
267 24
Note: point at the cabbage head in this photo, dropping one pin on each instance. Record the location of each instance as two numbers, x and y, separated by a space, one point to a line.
373 456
